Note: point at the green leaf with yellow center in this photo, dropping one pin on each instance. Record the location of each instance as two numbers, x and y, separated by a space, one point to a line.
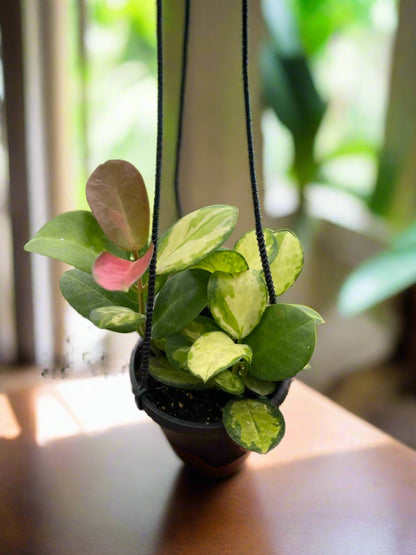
177 349
288 263
237 301
198 327
116 318
162 371
254 424
229 382
214 352
223 260
248 247
194 236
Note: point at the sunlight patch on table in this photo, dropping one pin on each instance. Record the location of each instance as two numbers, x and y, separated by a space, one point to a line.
10 428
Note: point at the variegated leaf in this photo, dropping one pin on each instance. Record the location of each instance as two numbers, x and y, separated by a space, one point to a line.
214 352
229 382
177 349
282 343
198 327
248 247
288 263
237 302
223 260
118 199
116 318
162 371
194 236
254 424
260 387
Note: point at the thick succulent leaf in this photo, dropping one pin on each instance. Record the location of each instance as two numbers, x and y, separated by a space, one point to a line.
177 348
116 274
214 352
118 199
223 260
116 318
194 236
85 295
282 343
179 302
288 263
237 302
248 247
162 371
254 424
73 237
311 312
198 327
260 387
229 382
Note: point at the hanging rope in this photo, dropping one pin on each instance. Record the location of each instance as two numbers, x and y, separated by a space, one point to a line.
181 105
145 354
251 158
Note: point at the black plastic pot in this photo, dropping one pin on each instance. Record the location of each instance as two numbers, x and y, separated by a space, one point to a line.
206 449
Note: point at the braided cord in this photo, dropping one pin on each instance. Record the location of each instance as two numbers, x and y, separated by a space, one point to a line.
251 158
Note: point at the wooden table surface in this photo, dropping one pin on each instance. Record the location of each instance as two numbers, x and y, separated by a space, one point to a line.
335 485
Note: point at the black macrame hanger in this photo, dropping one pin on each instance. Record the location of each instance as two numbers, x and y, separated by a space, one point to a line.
145 352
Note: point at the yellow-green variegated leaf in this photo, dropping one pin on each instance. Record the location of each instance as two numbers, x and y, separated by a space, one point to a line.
248 247
162 371
214 352
229 382
116 318
198 327
237 301
261 387
254 424
177 348
194 236
223 260
288 263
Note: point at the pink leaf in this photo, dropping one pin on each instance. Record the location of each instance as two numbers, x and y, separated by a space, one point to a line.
117 274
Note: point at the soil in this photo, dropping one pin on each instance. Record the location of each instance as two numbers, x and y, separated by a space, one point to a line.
201 406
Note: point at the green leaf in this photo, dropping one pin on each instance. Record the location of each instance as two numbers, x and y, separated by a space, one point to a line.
288 263
254 424
248 247
194 236
118 199
237 302
223 260
162 371
179 302
229 382
260 387
317 318
282 343
116 318
177 348
84 295
73 237
198 327
214 352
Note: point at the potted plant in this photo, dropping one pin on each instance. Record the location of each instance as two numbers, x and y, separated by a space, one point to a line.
221 357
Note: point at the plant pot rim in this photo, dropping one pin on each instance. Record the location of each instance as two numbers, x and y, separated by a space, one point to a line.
172 422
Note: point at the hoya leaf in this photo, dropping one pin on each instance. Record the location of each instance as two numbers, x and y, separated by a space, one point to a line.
162 371
237 302
248 247
214 352
229 382
260 387
194 236
223 260
177 348
85 295
282 343
179 302
312 313
115 274
198 327
288 263
116 318
73 237
118 199
254 424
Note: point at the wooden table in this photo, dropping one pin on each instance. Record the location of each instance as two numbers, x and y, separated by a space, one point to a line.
335 485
